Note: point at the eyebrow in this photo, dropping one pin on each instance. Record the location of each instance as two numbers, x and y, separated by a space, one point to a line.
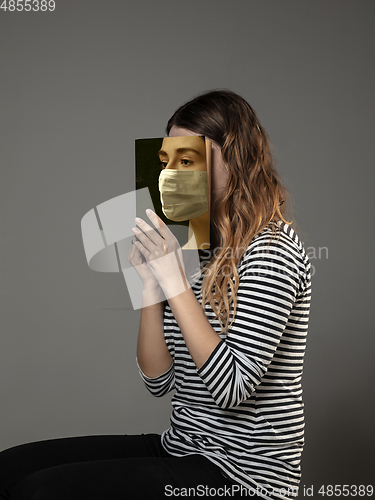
182 150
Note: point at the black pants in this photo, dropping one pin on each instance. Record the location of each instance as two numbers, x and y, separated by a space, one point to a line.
107 468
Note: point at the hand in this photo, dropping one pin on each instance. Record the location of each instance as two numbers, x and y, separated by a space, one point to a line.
144 272
162 254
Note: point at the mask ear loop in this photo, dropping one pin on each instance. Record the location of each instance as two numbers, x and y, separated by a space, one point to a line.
161 223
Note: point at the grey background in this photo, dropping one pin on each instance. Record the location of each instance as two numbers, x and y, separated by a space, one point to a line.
77 87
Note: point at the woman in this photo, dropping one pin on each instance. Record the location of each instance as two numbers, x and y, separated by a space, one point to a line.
231 344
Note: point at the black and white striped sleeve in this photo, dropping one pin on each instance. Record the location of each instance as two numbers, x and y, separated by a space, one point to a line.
270 281
161 385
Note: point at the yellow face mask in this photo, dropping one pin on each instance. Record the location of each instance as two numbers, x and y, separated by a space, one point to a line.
183 194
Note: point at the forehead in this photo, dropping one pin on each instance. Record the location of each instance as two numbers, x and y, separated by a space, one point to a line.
171 144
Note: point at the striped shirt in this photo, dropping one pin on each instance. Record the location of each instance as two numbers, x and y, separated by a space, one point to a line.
243 408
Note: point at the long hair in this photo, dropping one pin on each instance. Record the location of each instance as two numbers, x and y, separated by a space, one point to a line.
252 198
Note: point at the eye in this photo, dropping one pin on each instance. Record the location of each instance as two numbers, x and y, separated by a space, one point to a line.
163 163
186 163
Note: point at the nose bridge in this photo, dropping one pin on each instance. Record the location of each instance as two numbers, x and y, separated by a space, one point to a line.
172 163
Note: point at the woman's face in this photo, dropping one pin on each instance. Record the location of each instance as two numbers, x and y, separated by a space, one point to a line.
183 153
219 175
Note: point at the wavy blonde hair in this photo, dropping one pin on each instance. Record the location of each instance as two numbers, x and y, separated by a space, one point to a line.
252 198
